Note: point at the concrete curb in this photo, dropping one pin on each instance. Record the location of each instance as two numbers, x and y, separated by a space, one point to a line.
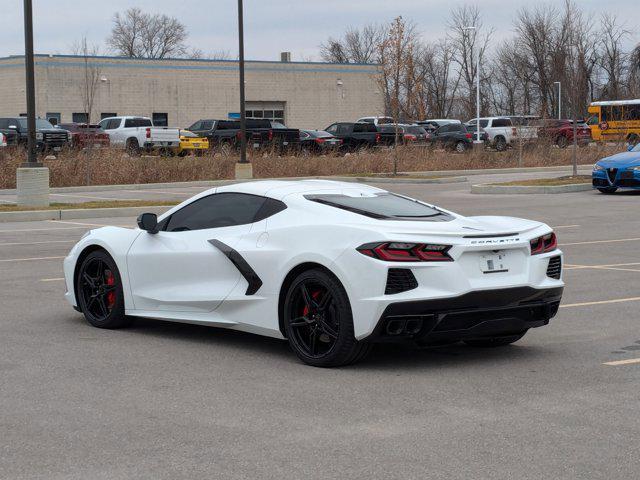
399 179
215 183
520 189
78 213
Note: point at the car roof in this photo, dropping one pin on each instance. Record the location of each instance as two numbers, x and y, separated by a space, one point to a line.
280 188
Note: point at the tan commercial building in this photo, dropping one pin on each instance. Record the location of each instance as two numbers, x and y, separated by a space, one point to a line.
179 92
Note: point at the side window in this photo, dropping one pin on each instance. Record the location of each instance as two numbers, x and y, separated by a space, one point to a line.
196 126
114 124
332 129
4 123
215 211
343 129
484 123
129 123
103 124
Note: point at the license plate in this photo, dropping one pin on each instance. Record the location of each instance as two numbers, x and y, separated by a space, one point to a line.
285 143
97 145
494 263
256 145
57 149
196 145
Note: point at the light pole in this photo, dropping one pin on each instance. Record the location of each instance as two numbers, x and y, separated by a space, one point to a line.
477 139
559 99
243 168
32 178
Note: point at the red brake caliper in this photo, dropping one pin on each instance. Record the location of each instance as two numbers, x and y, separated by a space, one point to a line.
315 296
111 296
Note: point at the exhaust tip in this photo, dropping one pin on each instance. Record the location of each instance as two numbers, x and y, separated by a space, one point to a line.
395 327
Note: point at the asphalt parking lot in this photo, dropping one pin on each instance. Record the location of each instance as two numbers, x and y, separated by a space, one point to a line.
168 401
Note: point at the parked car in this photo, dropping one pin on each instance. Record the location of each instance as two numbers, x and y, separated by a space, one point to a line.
86 135
192 143
224 135
618 171
11 137
452 136
357 136
407 134
560 132
375 120
318 141
137 135
345 266
48 138
430 125
3 140
484 137
500 131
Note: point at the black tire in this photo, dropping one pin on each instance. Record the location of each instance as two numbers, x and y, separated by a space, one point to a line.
491 342
608 190
460 147
183 153
633 139
500 144
99 291
562 141
318 321
225 149
133 148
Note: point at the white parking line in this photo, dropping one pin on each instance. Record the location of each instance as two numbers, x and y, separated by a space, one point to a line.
628 361
40 229
88 224
159 191
635 239
600 302
31 259
52 279
79 195
13 244
7 201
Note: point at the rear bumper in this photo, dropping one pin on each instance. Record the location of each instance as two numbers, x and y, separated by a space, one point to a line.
474 314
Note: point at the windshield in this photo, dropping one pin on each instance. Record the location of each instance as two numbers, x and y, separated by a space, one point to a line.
384 206
636 148
41 124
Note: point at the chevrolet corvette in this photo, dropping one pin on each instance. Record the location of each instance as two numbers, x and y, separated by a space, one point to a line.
331 267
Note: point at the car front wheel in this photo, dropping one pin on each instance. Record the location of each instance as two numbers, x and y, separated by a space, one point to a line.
608 190
318 321
99 291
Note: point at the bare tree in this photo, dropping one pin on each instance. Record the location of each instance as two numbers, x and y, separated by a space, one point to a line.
468 44
612 58
356 46
91 74
142 35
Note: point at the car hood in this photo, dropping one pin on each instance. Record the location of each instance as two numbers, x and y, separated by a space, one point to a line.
621 160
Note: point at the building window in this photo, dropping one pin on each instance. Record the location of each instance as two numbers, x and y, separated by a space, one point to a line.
160 119
54 118
23 114
79 118
273 111
107 115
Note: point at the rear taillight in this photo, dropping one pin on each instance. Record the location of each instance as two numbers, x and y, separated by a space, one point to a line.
270 135
378 137
406 252
410 137
468 135
544 244
148 133
514 131
320 140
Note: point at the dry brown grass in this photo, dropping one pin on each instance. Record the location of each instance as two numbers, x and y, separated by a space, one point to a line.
113 167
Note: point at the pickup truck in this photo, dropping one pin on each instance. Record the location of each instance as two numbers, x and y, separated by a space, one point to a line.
137 134
360 135
48 138
224 135
502 132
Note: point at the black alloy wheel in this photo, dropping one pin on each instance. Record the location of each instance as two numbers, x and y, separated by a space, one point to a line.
99 291
318 321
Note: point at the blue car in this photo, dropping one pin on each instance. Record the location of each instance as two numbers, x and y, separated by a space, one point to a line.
618 171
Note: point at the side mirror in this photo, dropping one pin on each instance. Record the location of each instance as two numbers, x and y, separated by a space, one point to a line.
148 222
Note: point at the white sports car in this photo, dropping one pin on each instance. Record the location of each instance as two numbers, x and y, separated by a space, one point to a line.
332 267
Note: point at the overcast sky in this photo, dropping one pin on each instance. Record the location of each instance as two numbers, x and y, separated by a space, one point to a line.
271 26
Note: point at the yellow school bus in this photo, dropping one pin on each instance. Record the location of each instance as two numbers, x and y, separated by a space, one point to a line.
615 121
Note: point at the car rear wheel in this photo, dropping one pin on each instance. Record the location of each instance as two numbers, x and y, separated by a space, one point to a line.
99 291
608 190
318 321
562 141
133 148
500 144
461 147
490 342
